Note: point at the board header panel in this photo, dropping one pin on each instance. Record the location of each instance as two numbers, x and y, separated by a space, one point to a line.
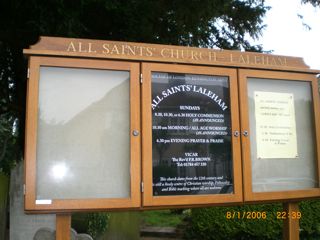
72 47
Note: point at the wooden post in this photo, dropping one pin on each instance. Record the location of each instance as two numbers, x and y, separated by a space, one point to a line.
63 226
290 221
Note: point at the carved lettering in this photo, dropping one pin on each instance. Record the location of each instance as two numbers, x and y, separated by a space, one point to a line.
282 61
212 56
115 50
184 54
71 47
258 60
131 50
149 51
90 48
106 48
176 53
231 57
200 55
164 52
244 59
194 55
273 61
141 50
80 48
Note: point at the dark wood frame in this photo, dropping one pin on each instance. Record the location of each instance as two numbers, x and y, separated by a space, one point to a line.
148 198
60 205
249 195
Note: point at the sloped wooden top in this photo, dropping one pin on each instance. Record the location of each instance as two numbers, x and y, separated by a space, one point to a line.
86 48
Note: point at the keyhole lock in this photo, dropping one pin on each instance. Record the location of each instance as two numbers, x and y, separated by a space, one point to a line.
135 133
245 133
236 133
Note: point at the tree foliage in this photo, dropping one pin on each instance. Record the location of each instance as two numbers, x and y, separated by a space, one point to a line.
212 23
206 23
315 3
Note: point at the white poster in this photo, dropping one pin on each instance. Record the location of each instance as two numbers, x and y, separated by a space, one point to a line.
275 125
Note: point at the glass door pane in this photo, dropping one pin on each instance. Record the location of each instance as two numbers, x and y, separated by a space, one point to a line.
283 155
191 144
191 134
83 139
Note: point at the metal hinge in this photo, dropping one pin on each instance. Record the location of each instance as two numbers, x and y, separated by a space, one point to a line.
24 189
142 187
141 79
28 73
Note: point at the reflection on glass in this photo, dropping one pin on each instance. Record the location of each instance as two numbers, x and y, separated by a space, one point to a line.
191 141
296 171
59 171
83 134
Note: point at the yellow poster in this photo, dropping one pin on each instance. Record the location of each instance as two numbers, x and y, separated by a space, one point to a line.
275 125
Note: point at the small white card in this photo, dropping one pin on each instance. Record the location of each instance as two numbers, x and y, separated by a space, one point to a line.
44 201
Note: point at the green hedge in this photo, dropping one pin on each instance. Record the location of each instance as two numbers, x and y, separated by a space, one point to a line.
212 223
310 221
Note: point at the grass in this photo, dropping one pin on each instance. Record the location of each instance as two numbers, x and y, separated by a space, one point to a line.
161 218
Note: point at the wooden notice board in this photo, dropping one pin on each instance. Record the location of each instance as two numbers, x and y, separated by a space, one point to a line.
121 125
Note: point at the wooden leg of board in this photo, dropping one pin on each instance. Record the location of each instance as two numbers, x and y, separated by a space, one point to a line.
63 226
290 221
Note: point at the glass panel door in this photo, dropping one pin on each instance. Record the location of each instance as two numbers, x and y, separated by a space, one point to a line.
190 117
279 122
